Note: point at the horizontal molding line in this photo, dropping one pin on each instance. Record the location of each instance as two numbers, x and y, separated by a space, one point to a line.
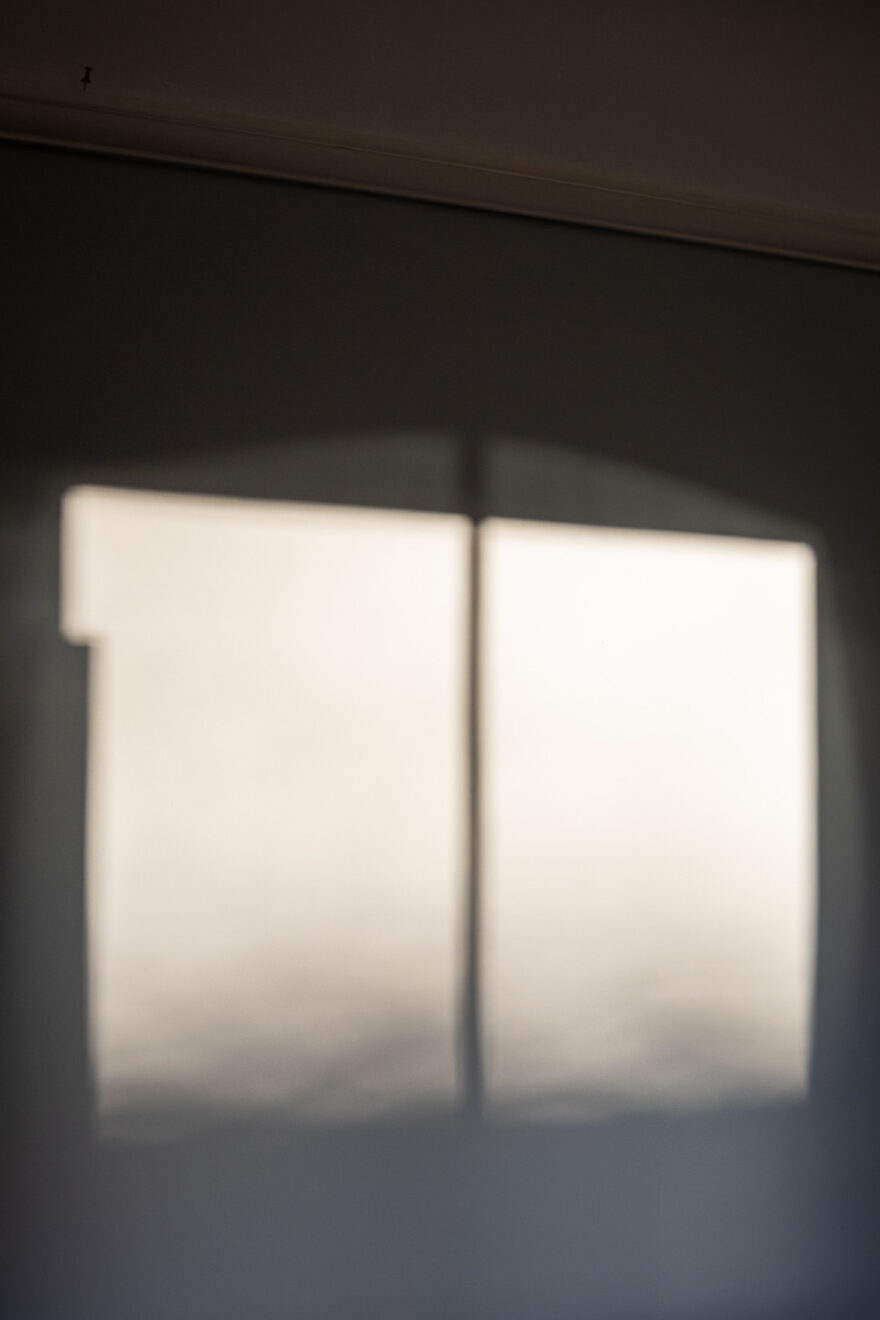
262 148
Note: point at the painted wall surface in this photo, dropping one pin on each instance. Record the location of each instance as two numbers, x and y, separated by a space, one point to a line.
768 105
178 331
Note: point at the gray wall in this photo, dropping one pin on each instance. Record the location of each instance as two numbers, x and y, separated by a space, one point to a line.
747 105
191 331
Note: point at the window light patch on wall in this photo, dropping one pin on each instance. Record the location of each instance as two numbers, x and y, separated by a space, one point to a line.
278 789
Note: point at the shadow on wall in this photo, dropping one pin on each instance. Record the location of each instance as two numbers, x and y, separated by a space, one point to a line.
400 746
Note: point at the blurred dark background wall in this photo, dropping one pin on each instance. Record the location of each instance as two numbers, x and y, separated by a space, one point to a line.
188 330
739 122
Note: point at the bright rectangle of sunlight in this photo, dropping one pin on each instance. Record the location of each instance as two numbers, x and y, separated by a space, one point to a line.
278 798
649 856
274 815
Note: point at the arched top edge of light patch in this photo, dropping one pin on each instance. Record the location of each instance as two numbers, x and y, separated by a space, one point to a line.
119 546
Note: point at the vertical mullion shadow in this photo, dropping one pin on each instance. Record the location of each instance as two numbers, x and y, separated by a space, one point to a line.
470 1022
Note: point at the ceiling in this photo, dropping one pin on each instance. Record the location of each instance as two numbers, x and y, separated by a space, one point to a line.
750 124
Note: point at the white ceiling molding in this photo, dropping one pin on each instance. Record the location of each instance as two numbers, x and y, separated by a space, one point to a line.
256 146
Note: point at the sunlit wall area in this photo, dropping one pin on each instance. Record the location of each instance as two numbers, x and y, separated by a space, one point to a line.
649 847
275 816
279 797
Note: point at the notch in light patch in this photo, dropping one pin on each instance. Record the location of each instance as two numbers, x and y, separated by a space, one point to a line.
274 815
649 819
